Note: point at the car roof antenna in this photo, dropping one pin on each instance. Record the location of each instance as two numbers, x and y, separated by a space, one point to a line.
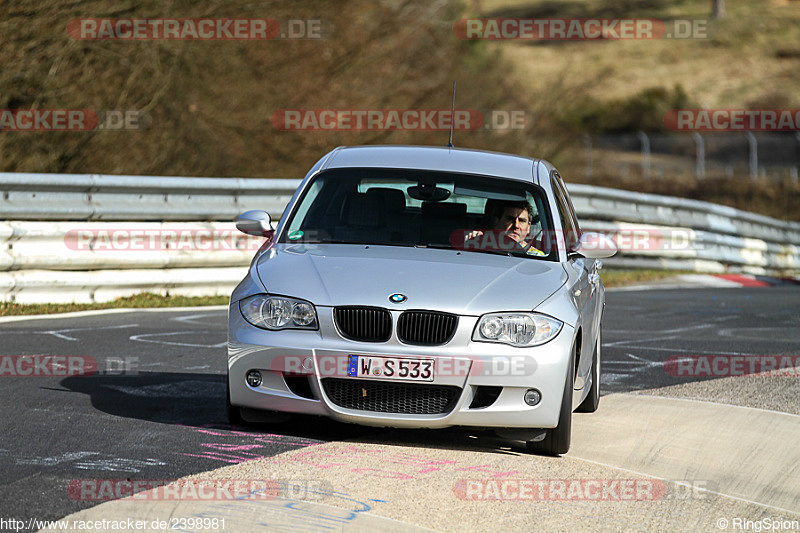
452 117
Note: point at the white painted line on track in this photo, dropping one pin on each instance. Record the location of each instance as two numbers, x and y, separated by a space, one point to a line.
749 452
684 350
766 335
192 319
694 487
60 333
683 281
693 400
143 338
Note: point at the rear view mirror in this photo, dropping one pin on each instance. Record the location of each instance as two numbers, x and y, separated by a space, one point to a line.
595 245
256 223
428 192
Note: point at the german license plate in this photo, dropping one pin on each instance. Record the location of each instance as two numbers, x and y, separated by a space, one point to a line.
368 366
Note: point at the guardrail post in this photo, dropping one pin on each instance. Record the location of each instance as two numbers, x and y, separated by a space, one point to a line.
587 144
700 150
753 143
645 140
794 169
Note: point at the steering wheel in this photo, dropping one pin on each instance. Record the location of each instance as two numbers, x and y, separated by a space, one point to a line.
528 244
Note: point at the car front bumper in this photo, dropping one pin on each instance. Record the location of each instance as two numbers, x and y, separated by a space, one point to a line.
461 362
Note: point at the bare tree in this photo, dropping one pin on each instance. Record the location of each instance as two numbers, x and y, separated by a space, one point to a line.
718 9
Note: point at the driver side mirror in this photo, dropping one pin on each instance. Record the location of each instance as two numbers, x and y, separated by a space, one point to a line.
595 246
257 223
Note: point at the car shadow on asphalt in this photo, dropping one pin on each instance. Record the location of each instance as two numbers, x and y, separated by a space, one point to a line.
192 399
198 400
454 438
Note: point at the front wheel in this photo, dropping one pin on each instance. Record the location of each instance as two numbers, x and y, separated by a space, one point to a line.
557 439
592 401
233 413
245 416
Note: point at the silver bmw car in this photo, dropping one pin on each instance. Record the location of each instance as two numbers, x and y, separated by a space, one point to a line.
422 287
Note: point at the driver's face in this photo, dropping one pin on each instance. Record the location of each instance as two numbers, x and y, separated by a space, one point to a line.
515 223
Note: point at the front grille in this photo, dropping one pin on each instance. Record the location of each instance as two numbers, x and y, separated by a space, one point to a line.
388 397
366 324
427 328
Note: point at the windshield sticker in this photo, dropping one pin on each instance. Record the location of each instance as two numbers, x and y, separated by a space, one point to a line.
293 236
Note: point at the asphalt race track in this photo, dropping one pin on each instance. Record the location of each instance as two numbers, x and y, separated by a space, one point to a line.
163 418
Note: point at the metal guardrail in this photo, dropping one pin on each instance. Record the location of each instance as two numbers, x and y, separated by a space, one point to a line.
157 198
719 238
602 203
55 247
47 286
26 245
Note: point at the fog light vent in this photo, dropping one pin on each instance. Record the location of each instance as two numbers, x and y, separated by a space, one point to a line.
484 396
533 397
253 378
299 385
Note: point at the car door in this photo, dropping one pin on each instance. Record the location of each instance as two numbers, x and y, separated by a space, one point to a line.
593 265
596 294
578 271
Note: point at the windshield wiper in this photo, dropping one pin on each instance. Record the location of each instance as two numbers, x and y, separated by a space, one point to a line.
434 245
493 252
325 241
447 247
341 241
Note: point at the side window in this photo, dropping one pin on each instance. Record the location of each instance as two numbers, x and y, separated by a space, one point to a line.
570 207
300 216
567 221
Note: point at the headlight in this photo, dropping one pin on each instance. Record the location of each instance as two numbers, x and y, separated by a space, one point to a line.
516 329
278 312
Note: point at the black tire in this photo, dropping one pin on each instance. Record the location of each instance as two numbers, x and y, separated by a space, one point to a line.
592 400
233 413
557 439
247 417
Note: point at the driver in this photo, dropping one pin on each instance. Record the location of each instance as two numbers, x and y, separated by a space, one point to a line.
511 221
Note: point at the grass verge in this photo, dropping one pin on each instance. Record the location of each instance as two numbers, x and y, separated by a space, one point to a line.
620 277
142 300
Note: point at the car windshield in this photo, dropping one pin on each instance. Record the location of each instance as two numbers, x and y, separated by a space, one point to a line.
423 209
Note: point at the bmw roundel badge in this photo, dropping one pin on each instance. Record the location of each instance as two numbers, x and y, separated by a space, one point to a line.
397 298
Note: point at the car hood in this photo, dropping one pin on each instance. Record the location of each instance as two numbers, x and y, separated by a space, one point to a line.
465 283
